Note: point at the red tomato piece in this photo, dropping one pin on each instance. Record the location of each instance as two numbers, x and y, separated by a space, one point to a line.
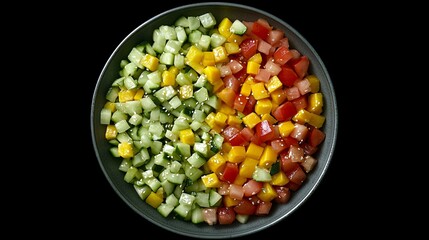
260 30
225 215
249 47
245 207
229 173
285 111
240 102
252 187
282 55
316 137
300 65
265 131
287 76
250 105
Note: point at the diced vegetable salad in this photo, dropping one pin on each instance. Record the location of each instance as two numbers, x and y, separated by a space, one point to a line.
215 120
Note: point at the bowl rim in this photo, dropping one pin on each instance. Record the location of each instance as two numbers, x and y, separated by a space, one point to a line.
218 232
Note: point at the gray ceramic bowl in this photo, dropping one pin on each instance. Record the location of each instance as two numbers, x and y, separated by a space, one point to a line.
109 165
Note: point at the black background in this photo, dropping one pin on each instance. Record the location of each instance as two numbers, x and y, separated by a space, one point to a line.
72 196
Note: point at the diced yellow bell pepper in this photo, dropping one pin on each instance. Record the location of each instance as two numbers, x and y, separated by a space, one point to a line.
212 73
234 120
278 96
208 59
240 180
246 89
154 200
224 27
126 95
194 54
139 94
273 84
269 156
150 62
110 105
235 38
304 116
279 179
226 147
254 151
257 57
220 53
125 150
247 167
269 118
315 103
314 83
211 180
197 66
259 91
252 67
263 106
251 120
168 78
220 119
228 201
285 128
216 162
237 154
232 48
111 132
226 109
267 193
187 136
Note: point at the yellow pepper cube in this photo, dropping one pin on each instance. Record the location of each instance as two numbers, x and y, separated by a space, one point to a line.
154 200
251 120
240 180
224 27
216 162
257 57
269 156
247 167
210 119
279 179
232 48
186 91
187 136
252 67
139 94
263 106
285 128
197 66
259 91
226 147
168 78
315 103
126 95
316 120
218 85
237 154
150 62
273 84
212 73
278 96
208 59
234 120
194 54
125 150
110 105
254 151
224 108
228 201
269 118
235 38
246 89
268 193
314 83
250 80
211 180
220 119
111 132
220 53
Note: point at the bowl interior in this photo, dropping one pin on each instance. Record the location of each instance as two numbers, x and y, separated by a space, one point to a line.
110 165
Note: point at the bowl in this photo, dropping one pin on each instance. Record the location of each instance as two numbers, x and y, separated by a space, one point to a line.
110 164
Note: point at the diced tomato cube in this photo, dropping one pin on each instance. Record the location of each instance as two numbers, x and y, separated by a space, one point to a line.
285 111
